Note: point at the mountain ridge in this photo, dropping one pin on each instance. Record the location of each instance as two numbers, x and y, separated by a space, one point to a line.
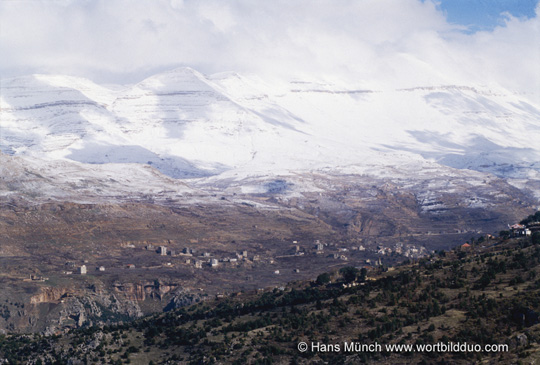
187 124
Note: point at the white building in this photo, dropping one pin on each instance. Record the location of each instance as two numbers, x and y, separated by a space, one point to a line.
82 270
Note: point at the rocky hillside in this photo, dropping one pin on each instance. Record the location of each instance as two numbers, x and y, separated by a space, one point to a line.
480 295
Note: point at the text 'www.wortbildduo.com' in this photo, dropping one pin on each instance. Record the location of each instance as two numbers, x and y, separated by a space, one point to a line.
400 347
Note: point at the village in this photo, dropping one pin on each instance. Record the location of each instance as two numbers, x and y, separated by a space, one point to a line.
241 266
149 277
293 261
171 257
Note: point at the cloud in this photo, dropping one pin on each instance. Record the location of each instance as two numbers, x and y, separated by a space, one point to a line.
381 42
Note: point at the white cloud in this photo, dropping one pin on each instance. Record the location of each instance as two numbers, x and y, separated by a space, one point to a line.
386 42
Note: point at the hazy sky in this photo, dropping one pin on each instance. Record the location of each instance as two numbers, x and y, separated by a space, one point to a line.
387 42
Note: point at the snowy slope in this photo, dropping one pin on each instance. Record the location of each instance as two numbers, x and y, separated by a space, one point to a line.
190 125
36 179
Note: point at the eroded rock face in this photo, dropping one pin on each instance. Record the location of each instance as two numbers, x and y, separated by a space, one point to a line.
182 298
49 295
53 310
56 309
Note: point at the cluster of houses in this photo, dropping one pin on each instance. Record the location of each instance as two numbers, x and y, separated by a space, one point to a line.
407 250
242 256
319 249
518 230
206 259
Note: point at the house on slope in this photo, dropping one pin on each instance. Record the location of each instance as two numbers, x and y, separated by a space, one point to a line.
518 230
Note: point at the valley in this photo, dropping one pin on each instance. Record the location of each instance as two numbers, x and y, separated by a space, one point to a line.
220 240
477 302
122 201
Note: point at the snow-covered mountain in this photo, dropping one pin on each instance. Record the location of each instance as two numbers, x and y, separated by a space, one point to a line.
376 165
229 162
187 124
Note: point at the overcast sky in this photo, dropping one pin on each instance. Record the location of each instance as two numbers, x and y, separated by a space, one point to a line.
386 42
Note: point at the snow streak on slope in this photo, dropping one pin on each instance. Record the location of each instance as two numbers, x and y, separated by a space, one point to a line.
189 125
